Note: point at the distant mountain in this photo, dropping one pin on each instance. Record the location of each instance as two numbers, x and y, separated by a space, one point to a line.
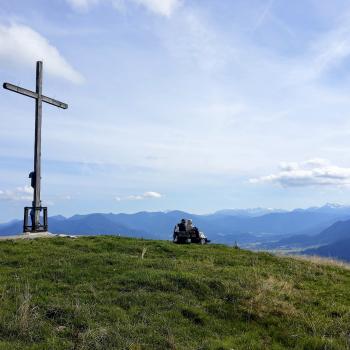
222 226
161 224
92 224
337 231
324 232
250 212
288 223
12 222
330 208
11 228
58 217
337 250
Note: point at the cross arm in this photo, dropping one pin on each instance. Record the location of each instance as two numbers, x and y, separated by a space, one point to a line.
20 90
56 103
33 94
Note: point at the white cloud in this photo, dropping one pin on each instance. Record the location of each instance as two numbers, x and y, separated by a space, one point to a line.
47 203
152 194
82 5
18 194
138 197
20 44
134 197
65 197
159 7
314 172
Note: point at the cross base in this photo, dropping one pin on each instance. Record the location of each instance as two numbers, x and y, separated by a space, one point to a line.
35 227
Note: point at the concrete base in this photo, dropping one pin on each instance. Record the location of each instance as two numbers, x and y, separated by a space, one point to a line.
31 235
34 235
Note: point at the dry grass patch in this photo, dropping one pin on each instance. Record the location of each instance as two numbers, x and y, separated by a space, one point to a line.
321 260
273 296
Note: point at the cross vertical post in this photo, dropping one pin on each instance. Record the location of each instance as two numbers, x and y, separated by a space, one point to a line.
37 144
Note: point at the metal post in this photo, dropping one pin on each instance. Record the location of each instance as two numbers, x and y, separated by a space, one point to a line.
25 220
37 147
45 219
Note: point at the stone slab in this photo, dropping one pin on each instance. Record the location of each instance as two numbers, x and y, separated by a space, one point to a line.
30 235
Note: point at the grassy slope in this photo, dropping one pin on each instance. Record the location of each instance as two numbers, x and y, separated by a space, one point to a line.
98 293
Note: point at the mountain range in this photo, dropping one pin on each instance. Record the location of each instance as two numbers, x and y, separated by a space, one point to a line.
256 228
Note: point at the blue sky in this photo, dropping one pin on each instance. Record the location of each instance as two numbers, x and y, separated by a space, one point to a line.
177 104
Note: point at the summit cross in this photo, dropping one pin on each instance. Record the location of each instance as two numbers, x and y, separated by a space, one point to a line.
35 175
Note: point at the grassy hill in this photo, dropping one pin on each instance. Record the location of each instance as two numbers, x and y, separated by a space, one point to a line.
119 293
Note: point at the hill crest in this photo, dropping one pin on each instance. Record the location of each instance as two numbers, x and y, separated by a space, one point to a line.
118 293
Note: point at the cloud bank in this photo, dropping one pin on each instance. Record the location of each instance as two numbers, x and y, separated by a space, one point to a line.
18 194
21 45
314 172
146 195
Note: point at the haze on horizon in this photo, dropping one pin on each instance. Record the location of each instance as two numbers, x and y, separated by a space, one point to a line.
196 105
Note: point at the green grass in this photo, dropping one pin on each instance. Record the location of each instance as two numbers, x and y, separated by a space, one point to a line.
119 293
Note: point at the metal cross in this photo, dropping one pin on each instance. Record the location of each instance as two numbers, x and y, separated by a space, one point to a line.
36 174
